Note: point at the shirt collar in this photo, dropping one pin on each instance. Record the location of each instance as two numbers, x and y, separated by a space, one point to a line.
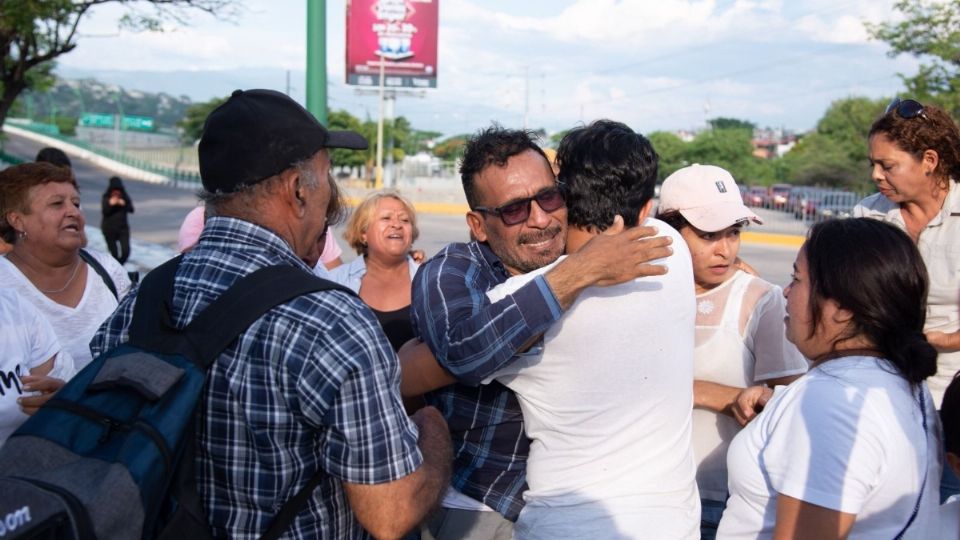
225 233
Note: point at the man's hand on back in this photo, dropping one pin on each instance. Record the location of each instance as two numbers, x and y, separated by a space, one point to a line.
617 256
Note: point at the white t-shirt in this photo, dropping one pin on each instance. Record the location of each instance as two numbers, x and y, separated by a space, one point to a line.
847 436
607 408
939 245
740 342
27 341
950 519
74 326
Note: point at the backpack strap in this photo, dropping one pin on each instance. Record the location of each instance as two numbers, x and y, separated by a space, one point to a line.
213 329
288 512
99 269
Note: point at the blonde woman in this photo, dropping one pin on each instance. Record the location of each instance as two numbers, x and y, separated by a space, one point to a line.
382 230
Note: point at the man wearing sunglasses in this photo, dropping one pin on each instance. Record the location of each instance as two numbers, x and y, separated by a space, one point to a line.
518 220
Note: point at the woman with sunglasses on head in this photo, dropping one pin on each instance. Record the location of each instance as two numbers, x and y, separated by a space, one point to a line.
915 163
739 334
851 449
915 160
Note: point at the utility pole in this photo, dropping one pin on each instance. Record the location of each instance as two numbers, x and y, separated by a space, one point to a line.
378 180
526 95
317 59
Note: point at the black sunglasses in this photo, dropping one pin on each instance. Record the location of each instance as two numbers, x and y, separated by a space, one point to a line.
549 200
906 108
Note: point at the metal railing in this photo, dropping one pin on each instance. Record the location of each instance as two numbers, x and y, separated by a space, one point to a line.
176 175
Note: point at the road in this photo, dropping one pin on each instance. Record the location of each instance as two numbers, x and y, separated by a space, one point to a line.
161 208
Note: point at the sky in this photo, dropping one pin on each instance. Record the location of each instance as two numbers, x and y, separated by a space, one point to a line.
552 64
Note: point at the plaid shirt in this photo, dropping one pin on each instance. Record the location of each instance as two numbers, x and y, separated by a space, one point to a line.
311 386
473 339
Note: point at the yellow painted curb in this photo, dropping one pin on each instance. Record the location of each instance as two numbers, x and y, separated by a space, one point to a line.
785 240
454 209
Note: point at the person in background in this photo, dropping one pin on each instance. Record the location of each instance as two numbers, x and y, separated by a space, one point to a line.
915 160
740 339
189 233
852 448
915 163
115 205
381 230
75 289
331 252
950 420
56 156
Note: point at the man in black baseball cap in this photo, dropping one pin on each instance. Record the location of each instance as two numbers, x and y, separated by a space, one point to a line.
307 395
257 134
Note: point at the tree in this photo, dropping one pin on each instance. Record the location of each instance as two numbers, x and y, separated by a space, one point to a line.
340 120
732 150
557 137
731 123
671 150
836 153
451 149
33 33
195 116
930 30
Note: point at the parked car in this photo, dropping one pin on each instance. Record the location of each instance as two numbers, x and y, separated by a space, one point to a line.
778 195
804 201
836 205
755 196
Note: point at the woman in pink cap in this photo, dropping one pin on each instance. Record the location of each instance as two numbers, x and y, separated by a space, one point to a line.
740 330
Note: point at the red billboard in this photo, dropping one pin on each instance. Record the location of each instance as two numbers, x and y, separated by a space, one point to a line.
401 32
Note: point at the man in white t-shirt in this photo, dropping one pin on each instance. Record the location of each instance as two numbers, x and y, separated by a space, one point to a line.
607 401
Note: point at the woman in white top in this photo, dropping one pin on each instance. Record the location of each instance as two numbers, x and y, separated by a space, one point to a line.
851 449
40 215
740 335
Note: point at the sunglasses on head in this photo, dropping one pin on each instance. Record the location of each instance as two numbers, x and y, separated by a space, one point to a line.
906 108
548 200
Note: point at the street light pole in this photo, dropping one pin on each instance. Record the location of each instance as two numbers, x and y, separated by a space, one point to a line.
379 178
317 59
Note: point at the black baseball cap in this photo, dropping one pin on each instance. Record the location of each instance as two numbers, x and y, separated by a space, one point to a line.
257 134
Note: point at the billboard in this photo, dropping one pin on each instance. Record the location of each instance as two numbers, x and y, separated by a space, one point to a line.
401 32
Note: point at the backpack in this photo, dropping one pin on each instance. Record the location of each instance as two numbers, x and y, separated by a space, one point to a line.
111 455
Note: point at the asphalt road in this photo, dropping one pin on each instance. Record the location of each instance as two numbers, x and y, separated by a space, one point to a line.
161 208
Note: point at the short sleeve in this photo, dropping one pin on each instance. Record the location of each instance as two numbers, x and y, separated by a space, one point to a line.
43 340
822 447
352 390
774 355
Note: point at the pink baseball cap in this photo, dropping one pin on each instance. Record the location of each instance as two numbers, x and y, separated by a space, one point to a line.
190 229
706 196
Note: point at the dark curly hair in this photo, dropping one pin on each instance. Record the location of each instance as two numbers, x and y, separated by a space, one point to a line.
492 146
873 270
606 169
934 130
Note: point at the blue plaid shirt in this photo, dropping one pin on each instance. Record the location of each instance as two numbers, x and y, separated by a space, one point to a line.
312 386
473 339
